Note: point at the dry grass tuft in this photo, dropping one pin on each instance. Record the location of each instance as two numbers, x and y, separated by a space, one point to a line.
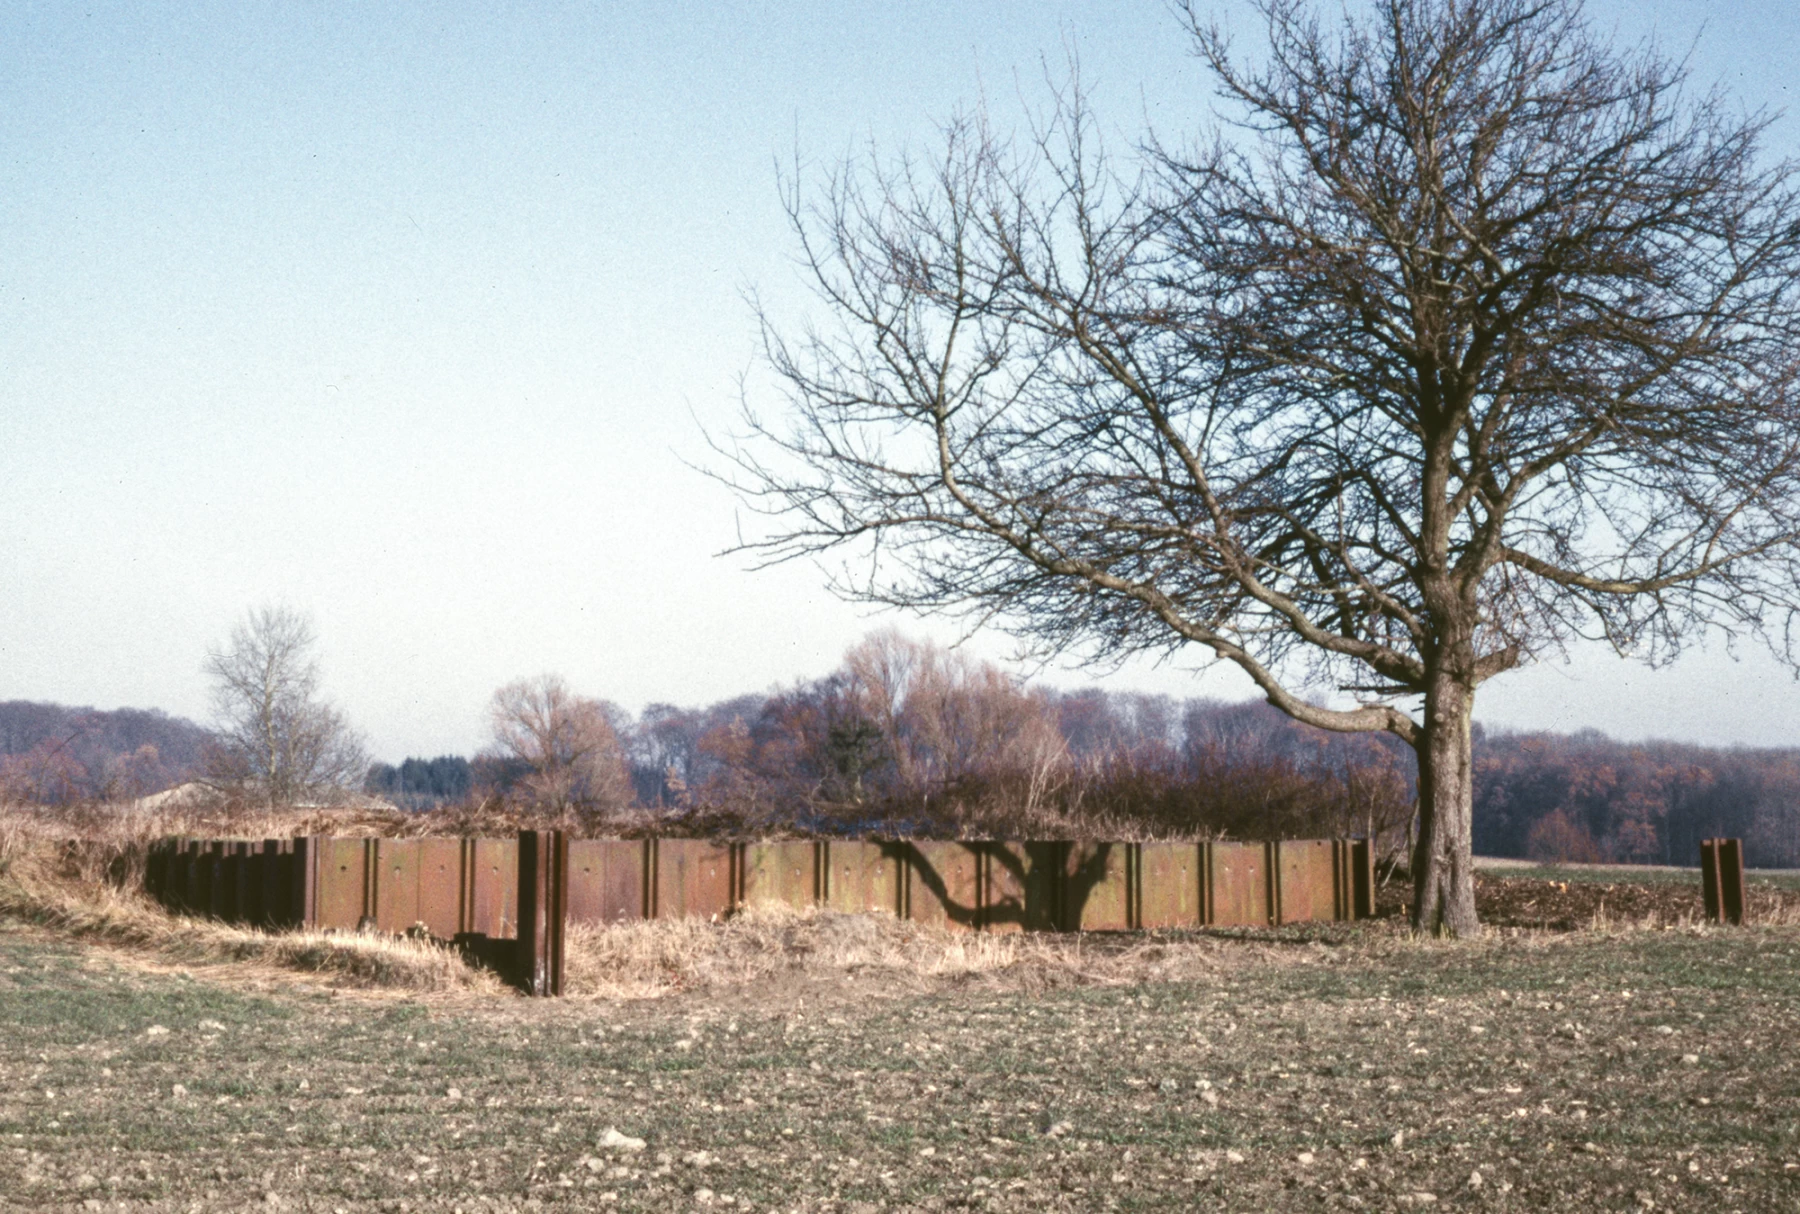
76 887
774 947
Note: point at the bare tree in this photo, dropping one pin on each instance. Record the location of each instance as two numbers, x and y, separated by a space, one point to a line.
1467 335
276 740
568 742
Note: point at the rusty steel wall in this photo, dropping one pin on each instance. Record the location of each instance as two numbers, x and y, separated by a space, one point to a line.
1306 876
861 877
1238 891
1169 885
606 880
780 874
461 888
943 884
693 877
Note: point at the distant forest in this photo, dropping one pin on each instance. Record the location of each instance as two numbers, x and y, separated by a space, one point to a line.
950 745
53 755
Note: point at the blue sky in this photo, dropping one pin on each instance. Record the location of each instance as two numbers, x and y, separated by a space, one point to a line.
411 317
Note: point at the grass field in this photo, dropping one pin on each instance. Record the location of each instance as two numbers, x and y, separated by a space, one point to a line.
1334 1068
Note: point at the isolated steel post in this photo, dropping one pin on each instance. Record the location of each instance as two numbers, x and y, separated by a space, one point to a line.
1731 880
1709 880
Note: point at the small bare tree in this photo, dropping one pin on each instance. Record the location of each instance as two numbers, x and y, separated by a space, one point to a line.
276 740
568 743
1477 336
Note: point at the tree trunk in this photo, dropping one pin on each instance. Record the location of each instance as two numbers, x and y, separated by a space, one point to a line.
1443 859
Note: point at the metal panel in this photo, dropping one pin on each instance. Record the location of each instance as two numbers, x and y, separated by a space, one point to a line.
491 905
943 884
1238 882
1021 886
342 882
693 877
859 877
303 882
606 880
1362 879
440 864
262 889
1169 885
1731 879
543 910
208 870
781 874
1097 887
234 876
1308 881
1005 871
395 882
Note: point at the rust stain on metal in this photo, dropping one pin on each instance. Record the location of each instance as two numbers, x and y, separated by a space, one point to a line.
1237 884
862 876
606 880
785 873
1308 880
694 877
1169 885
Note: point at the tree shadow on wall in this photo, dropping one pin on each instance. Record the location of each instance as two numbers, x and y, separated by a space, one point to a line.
1032 886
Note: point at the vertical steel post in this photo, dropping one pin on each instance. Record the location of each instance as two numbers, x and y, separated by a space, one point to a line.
1709 880
303 893
543 907
1362 864
1731 880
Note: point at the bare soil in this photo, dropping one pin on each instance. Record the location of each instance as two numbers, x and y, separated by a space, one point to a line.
1333 1067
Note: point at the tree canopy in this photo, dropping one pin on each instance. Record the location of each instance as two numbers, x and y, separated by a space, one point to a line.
1462 336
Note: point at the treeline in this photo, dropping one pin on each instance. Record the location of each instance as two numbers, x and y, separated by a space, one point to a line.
909 738
1588 798
53 755
906 737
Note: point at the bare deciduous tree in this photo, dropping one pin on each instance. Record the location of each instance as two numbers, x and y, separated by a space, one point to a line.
1469 336
277 741
567 741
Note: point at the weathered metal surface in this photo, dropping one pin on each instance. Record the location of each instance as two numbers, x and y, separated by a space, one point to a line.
1722 879
693 877
1097 887
262 888
1021 885
491 901
1237 884
943 884
543 910
208 867
1307 881
1169 885
303 882
781 874
1362 864
394 883
440 863
234 864
1731 879
469 888
341 898
1003 872
863 876
606 880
